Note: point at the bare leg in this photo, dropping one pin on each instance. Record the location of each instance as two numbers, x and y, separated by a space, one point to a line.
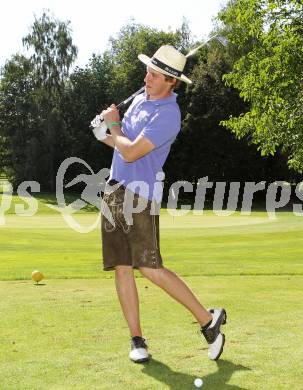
177 289
128 297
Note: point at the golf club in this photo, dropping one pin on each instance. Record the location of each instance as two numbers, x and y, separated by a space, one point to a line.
98 121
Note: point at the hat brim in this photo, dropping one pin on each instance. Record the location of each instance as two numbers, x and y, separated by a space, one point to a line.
147 61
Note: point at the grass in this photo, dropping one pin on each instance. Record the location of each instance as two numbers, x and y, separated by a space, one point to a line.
68 332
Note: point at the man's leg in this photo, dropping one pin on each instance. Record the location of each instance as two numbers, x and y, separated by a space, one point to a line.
128 297
177 289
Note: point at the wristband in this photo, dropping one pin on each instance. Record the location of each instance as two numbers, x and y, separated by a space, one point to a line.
111 124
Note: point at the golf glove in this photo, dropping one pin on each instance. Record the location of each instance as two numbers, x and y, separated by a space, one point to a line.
99 128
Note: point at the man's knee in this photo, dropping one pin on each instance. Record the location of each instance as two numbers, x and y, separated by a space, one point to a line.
153 274
124 270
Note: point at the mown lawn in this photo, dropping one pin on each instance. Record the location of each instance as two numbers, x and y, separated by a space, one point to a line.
68 332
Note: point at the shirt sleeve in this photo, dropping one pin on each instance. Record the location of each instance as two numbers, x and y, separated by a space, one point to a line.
163 126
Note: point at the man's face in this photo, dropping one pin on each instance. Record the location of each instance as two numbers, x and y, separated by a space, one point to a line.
156 85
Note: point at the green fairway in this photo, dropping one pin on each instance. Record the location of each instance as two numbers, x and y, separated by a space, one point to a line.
68 332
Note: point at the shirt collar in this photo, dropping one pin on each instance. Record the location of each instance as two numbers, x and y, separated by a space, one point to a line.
172 98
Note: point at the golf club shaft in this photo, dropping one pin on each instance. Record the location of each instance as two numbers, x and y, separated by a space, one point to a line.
131 97
98 118
219 38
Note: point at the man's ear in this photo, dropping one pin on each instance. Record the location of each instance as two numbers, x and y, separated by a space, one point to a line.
173 82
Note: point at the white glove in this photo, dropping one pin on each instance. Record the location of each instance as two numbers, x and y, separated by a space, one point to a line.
100 132
99 128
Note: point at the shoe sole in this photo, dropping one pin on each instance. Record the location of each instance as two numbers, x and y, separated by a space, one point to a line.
223 322
224 317
140 360
221 349
143 360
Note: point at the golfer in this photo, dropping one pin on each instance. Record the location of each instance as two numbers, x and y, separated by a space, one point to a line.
141 145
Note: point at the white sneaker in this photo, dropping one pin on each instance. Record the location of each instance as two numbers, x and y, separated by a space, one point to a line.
138 353
213 335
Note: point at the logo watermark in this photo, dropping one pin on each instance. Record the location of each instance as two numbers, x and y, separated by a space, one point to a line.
106 197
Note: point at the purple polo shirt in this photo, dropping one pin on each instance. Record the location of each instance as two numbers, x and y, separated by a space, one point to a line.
160 122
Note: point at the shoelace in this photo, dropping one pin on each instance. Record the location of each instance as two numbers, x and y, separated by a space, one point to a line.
209 334
139 342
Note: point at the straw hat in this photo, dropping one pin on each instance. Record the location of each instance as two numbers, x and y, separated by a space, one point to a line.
167 60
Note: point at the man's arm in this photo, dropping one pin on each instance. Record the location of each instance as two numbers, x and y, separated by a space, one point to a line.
109 141
130 150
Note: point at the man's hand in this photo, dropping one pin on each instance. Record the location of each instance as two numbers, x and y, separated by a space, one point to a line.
130 150
111 114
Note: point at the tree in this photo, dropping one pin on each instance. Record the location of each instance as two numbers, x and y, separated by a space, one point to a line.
268 74
53 51
17 122
53 54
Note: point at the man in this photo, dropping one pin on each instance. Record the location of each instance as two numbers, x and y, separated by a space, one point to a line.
142 143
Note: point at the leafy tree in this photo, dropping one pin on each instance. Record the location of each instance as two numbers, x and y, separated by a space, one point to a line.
18 134
53 54
53 51
45 111
268 74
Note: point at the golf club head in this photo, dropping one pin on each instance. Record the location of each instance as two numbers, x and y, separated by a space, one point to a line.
222 40
219 38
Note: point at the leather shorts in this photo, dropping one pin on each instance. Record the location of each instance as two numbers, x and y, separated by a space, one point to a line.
130 229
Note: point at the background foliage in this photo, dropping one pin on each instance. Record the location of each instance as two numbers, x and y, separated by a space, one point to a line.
253 88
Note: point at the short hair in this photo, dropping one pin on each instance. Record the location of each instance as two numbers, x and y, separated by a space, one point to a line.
170 78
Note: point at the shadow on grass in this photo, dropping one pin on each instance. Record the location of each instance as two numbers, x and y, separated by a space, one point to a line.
177 380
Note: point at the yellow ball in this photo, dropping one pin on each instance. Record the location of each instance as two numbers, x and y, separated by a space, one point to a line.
37 276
